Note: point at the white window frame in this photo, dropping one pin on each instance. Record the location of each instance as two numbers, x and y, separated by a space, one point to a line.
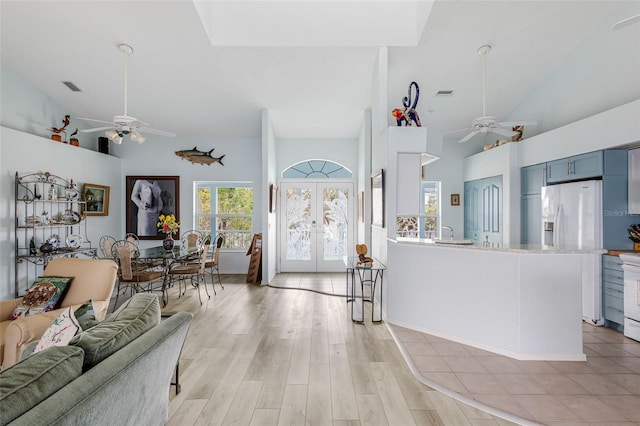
213 185
437 216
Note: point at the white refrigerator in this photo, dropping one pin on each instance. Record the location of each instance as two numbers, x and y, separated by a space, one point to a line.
572 219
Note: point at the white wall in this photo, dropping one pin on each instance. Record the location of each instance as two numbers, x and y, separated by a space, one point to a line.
293 151
379 142
363 176
26 108
242 163
25 153
609 129
269 176
590 80
449 171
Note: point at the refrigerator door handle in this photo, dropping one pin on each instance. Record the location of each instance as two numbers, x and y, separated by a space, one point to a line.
557 226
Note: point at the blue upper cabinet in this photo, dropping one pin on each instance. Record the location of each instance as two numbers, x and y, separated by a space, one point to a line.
533 178
578 167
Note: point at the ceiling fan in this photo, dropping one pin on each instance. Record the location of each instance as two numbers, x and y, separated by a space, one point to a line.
125 124
625 22
487 123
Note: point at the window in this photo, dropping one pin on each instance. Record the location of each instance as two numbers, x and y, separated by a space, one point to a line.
226 207
317 169
427 224
430 222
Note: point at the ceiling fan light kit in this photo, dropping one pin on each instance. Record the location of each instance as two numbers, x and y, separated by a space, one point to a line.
125 124
487 123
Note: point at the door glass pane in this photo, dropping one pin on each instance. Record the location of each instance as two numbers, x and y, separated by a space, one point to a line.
335 222
298 223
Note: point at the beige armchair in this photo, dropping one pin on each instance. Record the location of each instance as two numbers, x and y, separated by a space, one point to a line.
92 279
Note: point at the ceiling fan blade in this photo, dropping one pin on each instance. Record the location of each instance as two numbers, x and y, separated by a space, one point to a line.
94 120
504 132
458 131
97 129
628 21
156 132
469 136
517 123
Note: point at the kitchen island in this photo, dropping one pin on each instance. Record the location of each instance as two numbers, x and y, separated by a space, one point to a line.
524 302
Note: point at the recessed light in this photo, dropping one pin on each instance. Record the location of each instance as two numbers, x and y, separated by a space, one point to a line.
444 93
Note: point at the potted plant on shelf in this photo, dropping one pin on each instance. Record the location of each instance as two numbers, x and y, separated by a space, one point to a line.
168 225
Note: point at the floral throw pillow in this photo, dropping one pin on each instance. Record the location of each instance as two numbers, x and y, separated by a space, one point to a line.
60 332
86 316
44 295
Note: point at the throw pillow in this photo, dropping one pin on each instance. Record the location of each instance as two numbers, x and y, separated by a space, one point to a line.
27 383
44 295
134 318
86 316
60 332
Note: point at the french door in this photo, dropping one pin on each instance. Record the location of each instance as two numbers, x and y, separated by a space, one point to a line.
316 223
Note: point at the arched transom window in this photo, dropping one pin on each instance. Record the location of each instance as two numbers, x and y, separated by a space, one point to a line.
317 169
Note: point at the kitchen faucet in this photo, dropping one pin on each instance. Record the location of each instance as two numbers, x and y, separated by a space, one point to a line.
450 231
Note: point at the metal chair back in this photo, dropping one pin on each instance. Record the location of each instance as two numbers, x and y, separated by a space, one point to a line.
106 242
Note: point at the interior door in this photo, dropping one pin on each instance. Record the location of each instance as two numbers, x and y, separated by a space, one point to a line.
316 225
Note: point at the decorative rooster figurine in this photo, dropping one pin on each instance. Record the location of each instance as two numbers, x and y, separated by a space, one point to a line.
61 129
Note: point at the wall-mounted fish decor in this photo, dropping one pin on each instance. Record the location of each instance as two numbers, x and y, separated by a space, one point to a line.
199 157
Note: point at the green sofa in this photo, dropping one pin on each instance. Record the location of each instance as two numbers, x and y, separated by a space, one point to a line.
116 373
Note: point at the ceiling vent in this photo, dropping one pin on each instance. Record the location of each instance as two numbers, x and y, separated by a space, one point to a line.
444 93
71 86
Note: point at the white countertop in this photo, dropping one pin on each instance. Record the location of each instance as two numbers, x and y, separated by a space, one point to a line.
513 248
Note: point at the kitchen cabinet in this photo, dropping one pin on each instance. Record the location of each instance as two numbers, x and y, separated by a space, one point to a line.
483 210
615 217
531 220
583 166
533 178
613 292
634 181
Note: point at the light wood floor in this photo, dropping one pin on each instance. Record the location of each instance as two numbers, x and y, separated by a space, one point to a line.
266 356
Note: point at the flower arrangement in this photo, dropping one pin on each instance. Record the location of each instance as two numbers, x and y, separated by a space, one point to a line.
168 224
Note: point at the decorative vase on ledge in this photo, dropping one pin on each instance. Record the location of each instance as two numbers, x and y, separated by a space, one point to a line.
168 242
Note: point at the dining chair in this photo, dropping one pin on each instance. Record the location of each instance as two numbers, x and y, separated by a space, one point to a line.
191 241
192 268
133 274
213 262
106 242
132 238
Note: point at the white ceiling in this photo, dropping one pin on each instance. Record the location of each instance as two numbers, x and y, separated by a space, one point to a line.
315 87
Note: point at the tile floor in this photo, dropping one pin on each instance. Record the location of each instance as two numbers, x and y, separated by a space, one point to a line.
604 390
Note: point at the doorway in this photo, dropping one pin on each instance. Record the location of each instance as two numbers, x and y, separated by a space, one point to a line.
316 222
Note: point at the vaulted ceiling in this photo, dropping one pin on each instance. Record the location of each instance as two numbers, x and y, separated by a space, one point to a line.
308 62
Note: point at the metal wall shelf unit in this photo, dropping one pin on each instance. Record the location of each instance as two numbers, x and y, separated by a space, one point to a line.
49 223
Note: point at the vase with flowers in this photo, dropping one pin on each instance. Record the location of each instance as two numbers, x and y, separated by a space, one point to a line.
168 225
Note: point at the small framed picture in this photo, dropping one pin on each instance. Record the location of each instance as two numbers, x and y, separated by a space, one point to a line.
455 199
97 199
